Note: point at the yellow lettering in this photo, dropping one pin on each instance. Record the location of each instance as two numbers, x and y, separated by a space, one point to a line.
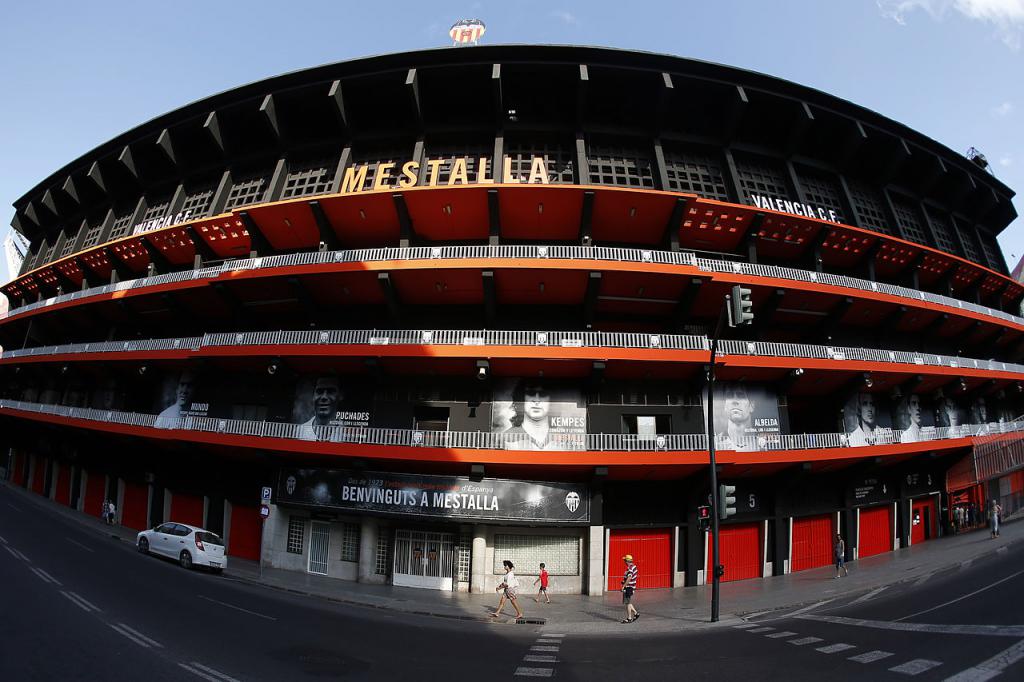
435 167
481 172
354 179
459 172
538 170
508 177
409 171
380 181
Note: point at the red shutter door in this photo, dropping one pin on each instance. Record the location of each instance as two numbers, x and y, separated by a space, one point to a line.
19 469
136 496
739 551
875 531
652 552
62 494
39 474
925 513
244 538
95 487
812 542
186 509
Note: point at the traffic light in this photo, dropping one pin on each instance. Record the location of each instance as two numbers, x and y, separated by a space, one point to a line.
703 517
741 312
726 501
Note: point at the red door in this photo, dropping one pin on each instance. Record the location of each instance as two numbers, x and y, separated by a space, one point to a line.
136 497
95 487
186 509
39 473
19 469
63 492
875 531
923 517
652 553
739 551
812 542
244 538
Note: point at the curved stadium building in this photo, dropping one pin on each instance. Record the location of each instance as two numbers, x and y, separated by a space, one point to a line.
439 309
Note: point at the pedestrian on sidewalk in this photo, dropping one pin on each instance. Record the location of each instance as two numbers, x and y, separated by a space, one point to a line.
543 580
111 512
508 588
105 515
996 511
629 580
839 551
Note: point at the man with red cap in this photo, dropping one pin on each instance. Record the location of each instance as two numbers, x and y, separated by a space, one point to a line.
629 580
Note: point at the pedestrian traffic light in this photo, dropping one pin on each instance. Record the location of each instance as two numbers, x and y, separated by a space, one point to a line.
703 517
741 307
726 501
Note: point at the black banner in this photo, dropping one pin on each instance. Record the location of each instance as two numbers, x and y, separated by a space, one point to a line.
448 497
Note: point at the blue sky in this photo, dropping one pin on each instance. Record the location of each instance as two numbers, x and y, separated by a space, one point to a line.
75 74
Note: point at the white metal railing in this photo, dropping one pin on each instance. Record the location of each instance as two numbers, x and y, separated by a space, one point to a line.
488 337
479 440
599 253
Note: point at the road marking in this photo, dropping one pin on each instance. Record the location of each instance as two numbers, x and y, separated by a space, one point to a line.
964 565
923 579
553 649
16 554
916 666
988 669
780 635
3 540
871 656
835 648
129 636
953 601
550 642
139 635
809 608
75 542
755 614
745 626
44 576
982 630
870 595
216 673
199 673
237 608
549 634
1002 550
805 640
79 602
17 509
539 658
758 631
534 672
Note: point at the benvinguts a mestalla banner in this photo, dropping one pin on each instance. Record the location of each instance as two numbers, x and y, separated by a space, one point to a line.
449 497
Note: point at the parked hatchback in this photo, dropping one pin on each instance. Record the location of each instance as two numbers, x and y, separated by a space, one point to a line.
188 545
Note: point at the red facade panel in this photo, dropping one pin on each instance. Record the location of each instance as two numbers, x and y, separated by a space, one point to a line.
95 490
652 552
923 515
187 509
39 473
62 493
812 542
133 512
19 469
244 538
739 551
875 531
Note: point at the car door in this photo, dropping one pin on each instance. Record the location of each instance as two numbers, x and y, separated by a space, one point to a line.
159 538
179 540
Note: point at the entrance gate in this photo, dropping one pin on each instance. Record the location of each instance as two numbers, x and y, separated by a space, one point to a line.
319 547
424 559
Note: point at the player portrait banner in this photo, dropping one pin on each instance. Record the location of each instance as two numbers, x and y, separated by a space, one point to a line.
746 416
180 397
536 415
448 497
323 400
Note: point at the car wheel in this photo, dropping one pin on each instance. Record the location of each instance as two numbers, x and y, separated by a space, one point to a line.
185 559
143 546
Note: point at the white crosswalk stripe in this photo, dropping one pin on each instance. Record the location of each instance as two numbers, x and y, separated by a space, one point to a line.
758 631
540 658
871 656
805 640
992 667
534 672
916 666
544 648
870 595
779 635
835 648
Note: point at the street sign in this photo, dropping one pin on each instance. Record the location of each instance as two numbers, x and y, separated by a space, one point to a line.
264 511
265 495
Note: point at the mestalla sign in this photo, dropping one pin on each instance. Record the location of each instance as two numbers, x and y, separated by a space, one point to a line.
448 497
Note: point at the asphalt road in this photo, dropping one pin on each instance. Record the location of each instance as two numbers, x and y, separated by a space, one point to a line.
80 606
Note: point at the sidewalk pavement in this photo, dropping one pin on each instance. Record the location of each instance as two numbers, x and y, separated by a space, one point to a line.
666 610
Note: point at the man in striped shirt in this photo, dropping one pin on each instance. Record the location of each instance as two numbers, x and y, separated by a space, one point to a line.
629 580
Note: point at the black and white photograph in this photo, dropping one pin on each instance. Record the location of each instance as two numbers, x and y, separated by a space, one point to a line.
323 400
746 416
867 420
534 415
912 419
178 398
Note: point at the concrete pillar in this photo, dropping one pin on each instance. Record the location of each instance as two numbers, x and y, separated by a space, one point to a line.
595 561
368 534
478 562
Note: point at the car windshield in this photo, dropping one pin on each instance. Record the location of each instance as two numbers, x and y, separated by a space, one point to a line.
210 538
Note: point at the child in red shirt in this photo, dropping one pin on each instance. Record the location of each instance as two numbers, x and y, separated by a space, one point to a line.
543 580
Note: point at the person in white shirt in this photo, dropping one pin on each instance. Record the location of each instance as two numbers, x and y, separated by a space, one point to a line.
864 433
508 588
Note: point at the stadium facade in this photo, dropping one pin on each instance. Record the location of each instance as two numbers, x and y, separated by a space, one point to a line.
439 309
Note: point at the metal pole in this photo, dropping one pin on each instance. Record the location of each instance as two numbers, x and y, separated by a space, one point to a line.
714 470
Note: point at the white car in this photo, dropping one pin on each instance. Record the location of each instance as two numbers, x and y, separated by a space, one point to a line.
188 545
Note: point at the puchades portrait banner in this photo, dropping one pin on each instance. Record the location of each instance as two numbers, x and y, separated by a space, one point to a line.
537 415
745 416
451 497
180 397
324 400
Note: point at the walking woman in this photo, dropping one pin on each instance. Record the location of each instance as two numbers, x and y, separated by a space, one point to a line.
839 552
508 589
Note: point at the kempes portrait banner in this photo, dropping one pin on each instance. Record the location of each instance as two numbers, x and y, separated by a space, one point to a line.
435 496
536 416
746 416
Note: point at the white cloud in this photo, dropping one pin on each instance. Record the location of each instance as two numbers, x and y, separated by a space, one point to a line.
1005 16
1006 161
1003 109
566 17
